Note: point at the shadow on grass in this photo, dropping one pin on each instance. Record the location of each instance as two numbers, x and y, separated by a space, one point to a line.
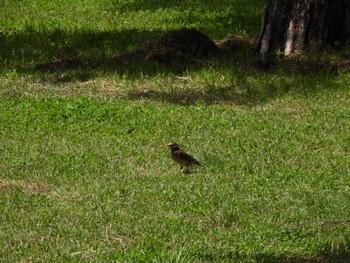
210 94
173 51
60 57
342 255
81 50
253 84
20 50
326 256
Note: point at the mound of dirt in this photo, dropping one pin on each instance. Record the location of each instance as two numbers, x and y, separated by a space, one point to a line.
184 45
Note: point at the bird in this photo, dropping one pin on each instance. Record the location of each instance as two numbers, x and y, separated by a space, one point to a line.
180 157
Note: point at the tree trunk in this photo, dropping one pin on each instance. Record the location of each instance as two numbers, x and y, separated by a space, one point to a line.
292 25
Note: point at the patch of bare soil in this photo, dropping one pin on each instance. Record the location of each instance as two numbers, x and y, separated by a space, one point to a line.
31 188
3 185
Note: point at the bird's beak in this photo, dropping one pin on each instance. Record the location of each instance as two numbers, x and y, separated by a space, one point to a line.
166 145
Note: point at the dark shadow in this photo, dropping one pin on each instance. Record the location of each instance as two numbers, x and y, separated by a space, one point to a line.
59 56
23 50
342 256
173 51
327 255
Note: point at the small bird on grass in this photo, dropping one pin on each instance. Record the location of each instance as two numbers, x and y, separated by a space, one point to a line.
180 157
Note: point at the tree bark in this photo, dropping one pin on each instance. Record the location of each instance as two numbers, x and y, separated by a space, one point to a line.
289 26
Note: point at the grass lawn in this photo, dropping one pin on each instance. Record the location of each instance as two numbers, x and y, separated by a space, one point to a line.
84 175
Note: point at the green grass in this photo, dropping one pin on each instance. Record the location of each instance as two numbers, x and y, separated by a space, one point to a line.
84 175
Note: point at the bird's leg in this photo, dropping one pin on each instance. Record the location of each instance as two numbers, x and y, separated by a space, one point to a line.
187 170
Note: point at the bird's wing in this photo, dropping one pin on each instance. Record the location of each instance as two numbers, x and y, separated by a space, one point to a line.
187 157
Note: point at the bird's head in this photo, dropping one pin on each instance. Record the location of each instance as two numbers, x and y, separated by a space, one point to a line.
172 145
